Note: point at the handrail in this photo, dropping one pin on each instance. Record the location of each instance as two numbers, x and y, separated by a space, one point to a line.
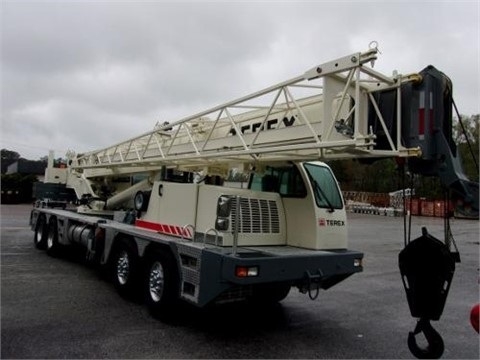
206 233
184 231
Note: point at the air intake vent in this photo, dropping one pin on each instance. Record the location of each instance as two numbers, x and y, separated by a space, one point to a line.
258 216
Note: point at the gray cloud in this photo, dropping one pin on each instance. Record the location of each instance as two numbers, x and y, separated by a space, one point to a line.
83 75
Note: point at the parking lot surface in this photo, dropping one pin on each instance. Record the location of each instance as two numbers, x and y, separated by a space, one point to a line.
62 308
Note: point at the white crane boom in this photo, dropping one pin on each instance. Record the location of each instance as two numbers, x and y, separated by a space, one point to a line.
322 113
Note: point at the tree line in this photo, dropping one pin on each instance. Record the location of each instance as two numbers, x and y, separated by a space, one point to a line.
16 187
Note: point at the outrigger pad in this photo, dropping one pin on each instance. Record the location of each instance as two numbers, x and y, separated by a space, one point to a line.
427 269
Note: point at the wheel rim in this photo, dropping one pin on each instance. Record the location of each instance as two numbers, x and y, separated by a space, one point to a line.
123 268
50 239
156 281
39 236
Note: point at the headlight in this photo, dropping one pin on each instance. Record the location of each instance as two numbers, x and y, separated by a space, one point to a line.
221 224
224 206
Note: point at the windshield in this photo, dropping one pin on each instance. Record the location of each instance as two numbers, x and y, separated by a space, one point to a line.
324 186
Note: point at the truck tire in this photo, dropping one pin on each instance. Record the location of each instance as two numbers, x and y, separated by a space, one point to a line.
41 233
270 293
53 246
161 284
125 269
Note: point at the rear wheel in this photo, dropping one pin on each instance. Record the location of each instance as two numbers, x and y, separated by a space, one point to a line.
53 246
41 232
161 284
125 267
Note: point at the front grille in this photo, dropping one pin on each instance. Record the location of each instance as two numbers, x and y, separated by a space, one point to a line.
257 216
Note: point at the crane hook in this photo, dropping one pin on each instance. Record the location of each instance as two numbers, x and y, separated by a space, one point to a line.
435 347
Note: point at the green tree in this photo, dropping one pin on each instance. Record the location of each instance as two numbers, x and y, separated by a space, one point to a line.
463 138
357 175
8 157
56 162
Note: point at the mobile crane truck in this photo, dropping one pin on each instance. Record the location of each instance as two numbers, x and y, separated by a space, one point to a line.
154 211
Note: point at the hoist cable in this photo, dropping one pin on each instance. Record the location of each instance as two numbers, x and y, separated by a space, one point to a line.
404 206
410 210
466 135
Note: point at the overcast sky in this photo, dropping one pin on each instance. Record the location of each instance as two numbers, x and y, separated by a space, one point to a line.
83 75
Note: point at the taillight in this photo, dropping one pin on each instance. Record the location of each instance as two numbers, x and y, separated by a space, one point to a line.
246 271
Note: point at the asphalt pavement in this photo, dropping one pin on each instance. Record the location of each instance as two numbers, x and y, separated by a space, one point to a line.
62 308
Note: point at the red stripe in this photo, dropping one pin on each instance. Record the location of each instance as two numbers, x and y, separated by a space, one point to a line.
163 228
148 225
178 230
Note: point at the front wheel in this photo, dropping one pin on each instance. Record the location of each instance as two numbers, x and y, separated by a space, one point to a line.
161 283
41 233
53 246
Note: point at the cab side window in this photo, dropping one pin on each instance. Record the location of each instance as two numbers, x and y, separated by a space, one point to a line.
285 180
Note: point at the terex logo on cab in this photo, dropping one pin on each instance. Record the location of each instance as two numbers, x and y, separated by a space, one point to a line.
325 222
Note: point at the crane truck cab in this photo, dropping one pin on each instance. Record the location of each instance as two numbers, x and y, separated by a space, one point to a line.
312 201
296 204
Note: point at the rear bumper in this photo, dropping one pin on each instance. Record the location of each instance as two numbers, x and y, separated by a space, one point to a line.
317 266
306 269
